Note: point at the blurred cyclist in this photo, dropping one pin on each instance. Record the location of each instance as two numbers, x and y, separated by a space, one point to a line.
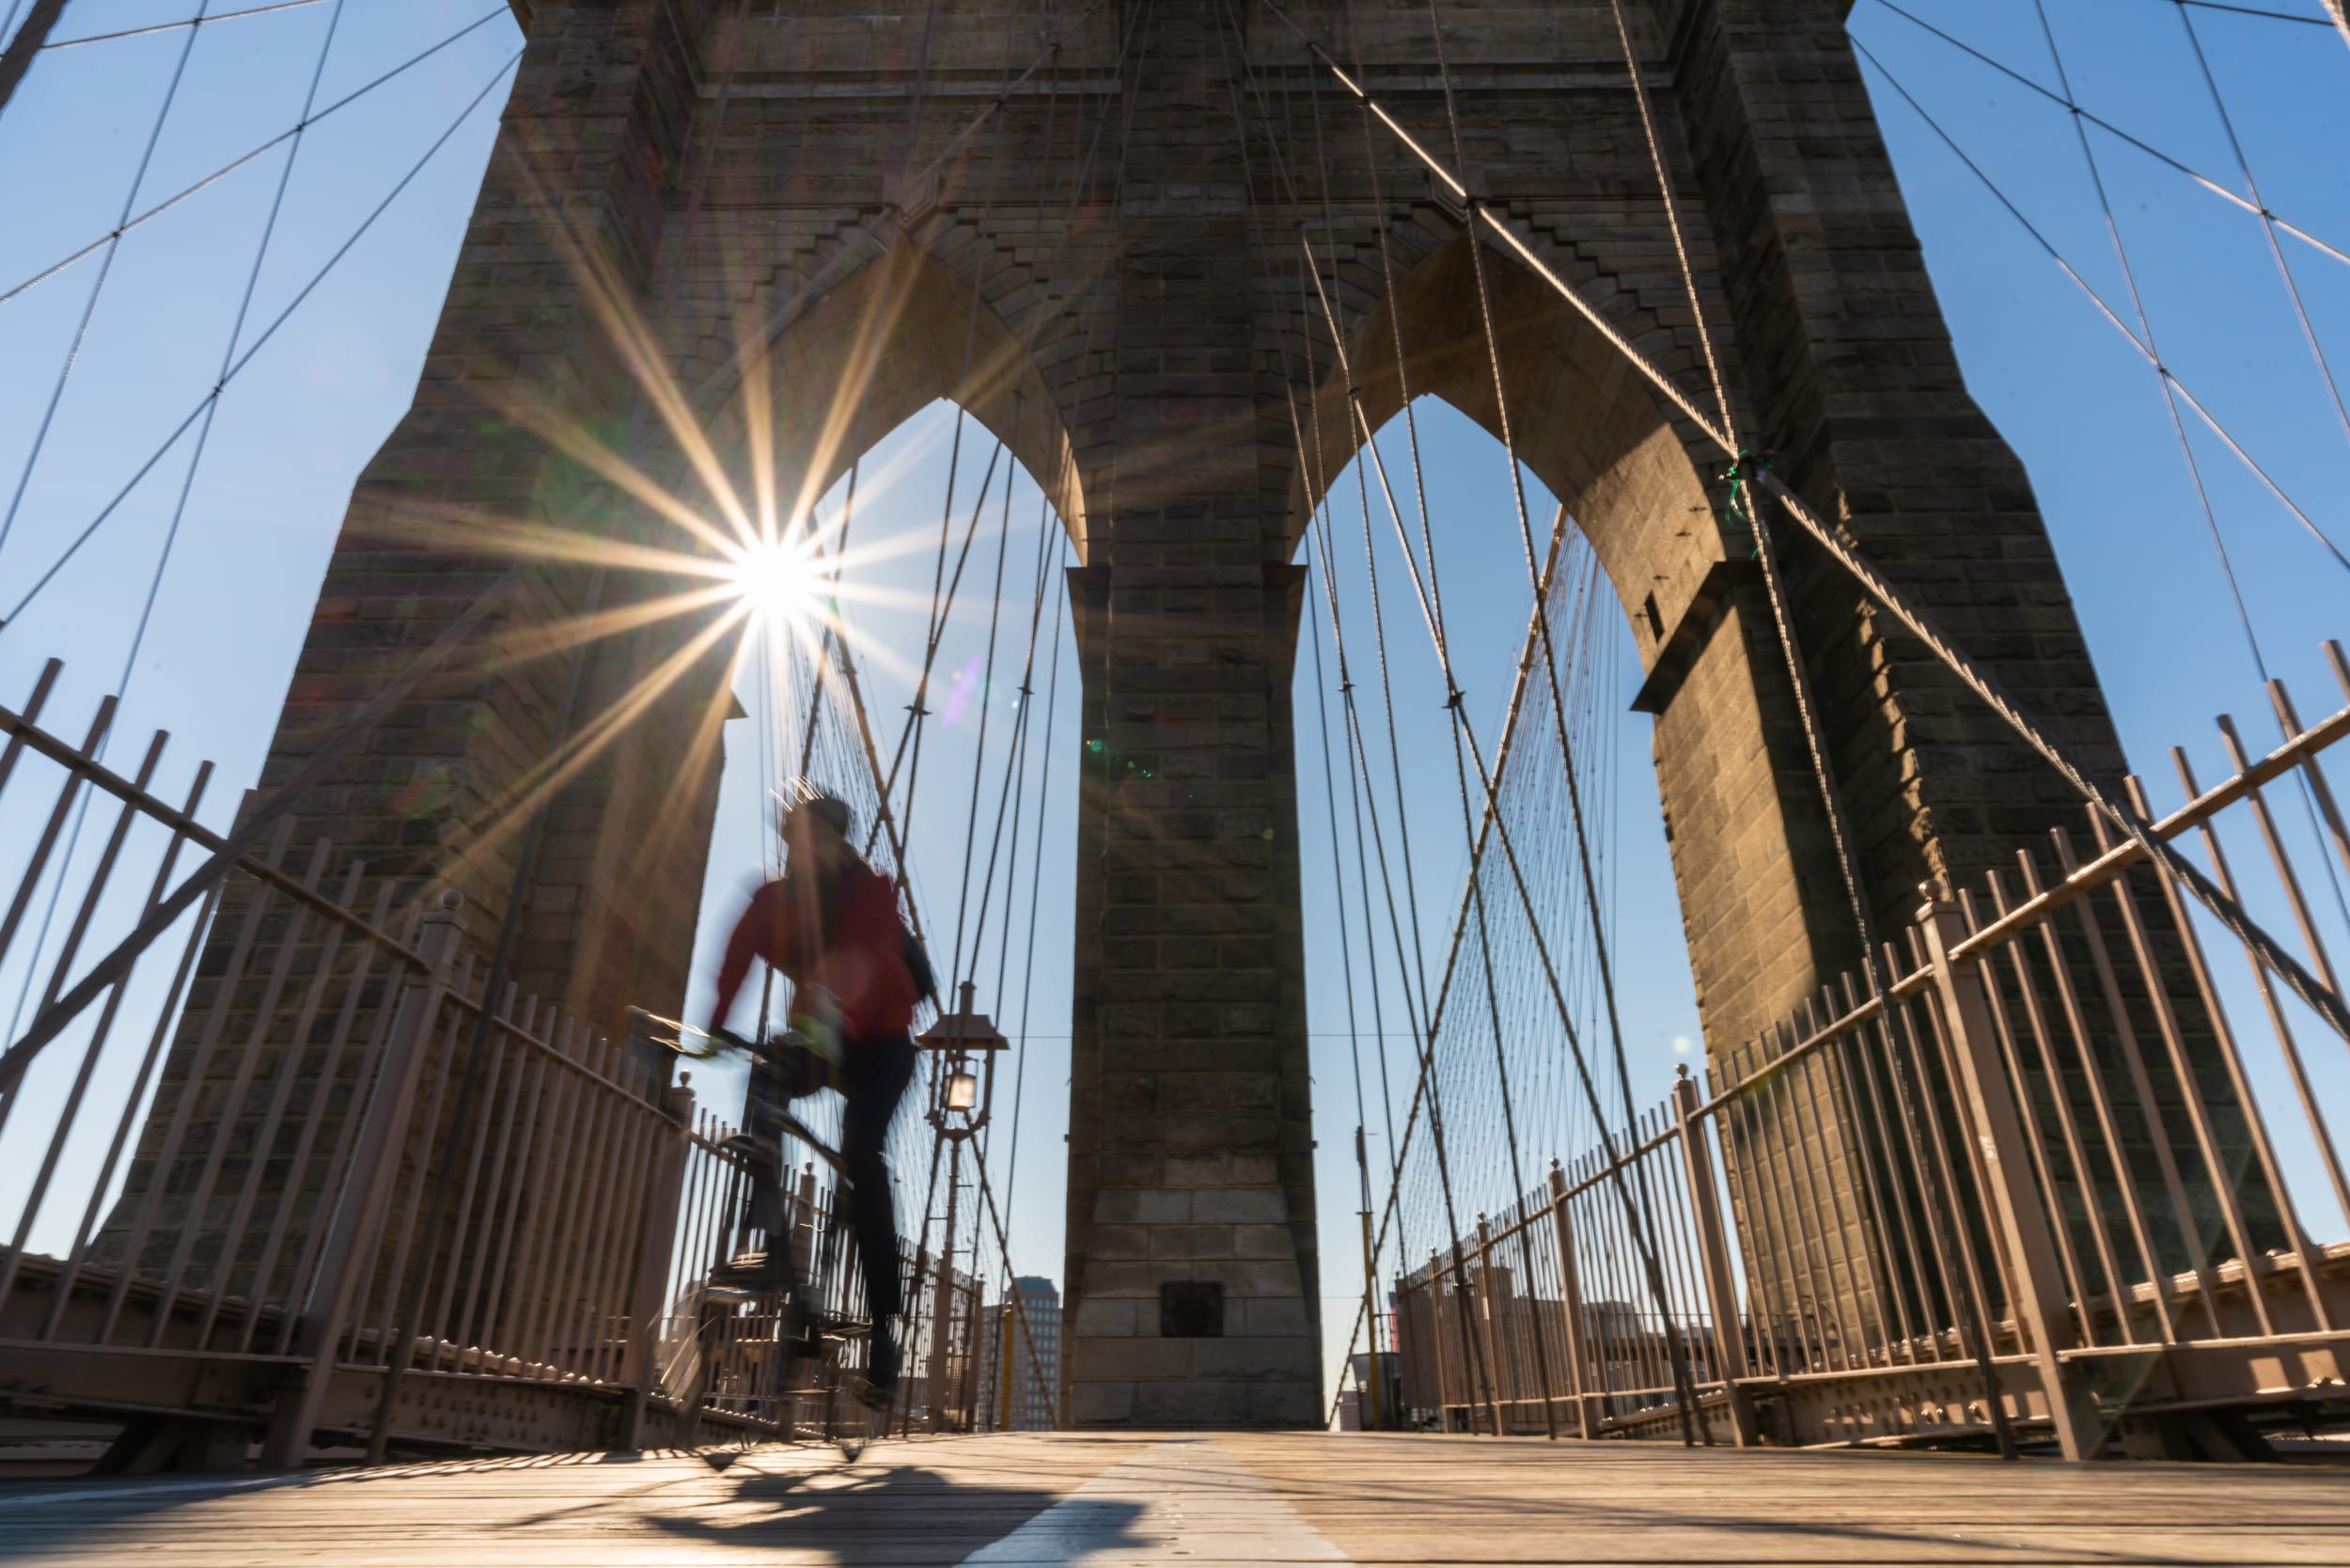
830 925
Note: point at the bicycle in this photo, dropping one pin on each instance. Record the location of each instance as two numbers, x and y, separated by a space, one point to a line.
772 1293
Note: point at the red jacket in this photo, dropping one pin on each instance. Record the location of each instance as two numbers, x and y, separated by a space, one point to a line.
841 933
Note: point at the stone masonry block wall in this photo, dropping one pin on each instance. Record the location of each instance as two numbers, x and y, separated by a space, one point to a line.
1107 276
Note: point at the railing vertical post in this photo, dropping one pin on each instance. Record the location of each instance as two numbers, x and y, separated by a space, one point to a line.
656 1249
1721 1286
943 1313
1372 1414
2037 1289
971 1355
1570 1304
1439 1352
1492 1320
359 1217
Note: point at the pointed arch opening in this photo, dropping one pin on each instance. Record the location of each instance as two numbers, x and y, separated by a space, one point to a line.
1744 828
902 332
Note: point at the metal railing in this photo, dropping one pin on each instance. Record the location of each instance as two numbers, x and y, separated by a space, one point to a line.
218 1185
2045 1182
746 1385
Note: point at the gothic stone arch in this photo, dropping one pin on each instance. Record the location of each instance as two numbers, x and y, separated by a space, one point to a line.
1150 298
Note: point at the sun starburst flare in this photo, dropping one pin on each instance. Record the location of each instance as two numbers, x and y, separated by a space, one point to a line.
727 551
779 581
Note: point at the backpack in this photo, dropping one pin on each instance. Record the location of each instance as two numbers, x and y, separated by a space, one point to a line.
917 962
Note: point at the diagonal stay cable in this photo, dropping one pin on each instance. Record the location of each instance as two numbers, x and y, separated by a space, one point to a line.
2320 997
2268 222
1433 608
97 289
1635 1210
1644 1216
1841 831
2301 315
197 20
1428 1035
259 343
1036 877
2145 349
1346 972
53 1018
228 355
1015 761
230 168
187 484
235 845
2261 11
978 757
2065 100
24 478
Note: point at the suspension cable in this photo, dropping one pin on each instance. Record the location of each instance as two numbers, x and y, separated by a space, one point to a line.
2320 997
978 759
235 164
187 486
1319 527
1346 971
2065 101
1237 55
2145 349
2146 332
1429 1032
17 611
1016 759
1684 1390
200 19
2251 186
98 288
1472 900
1036 870
57 1014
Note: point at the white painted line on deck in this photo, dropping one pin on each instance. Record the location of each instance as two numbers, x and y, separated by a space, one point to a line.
1187 1500
101 1490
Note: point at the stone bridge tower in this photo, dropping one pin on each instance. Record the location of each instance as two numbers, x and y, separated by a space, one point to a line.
1105 272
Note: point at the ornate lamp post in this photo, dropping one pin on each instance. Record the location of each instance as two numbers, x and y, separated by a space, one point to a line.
963 1094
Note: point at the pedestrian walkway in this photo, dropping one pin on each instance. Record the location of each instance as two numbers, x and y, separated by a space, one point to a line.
1200 1501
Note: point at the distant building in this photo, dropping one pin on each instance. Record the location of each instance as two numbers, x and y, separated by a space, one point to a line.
1032 1395
1354 1409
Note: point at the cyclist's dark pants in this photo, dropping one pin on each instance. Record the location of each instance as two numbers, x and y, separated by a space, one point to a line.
874 1074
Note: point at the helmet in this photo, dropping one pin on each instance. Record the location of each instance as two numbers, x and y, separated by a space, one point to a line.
817 808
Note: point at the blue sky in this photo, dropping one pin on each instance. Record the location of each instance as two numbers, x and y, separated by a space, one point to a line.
295 427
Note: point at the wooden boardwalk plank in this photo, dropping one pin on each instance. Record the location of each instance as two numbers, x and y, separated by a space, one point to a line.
1105 1501
1405 1499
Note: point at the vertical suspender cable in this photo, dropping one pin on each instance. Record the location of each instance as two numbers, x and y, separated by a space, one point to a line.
1353 1037
1395 756
196 457
2320 997
1831 794
521 885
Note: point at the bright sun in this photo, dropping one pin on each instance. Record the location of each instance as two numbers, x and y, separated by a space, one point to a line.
777 581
